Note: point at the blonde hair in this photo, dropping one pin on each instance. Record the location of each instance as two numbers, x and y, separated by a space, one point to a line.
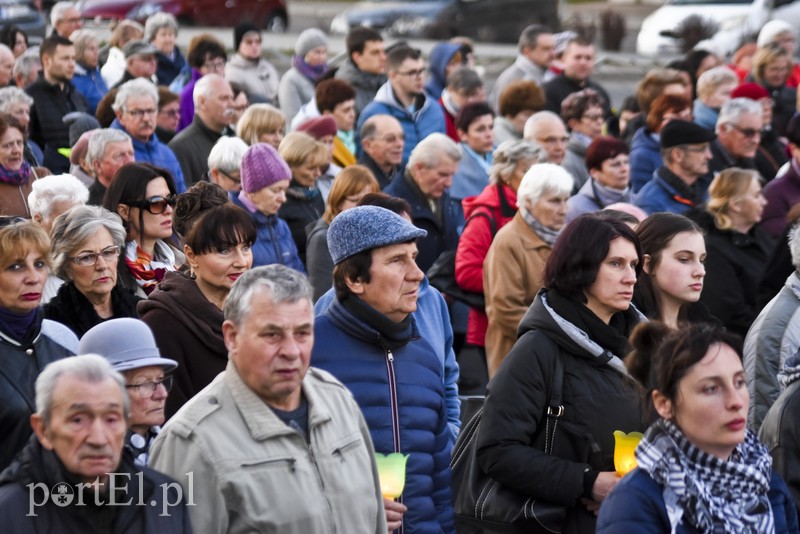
763 57
299 148
728 186
259 119
350 181
18 238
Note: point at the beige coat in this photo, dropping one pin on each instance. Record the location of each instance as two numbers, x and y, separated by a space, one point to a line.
512 275
253 473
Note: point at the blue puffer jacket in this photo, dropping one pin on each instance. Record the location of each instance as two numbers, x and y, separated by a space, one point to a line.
156 153
90 84
401 395
645 158
428 118
274 243
636 506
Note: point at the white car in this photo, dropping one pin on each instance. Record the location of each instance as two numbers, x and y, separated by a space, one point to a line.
736 19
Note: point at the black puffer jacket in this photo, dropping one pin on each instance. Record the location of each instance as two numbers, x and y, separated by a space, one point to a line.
37 465
21 365
598 398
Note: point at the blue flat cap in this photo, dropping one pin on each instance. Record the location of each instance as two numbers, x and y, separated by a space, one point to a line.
367 227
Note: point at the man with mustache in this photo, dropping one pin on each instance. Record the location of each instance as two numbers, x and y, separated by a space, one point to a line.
73 476
136 107
213 113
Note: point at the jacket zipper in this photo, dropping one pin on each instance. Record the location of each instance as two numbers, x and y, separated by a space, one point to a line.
320 481
395 412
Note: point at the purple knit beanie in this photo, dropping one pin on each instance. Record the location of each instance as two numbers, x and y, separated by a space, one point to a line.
261 167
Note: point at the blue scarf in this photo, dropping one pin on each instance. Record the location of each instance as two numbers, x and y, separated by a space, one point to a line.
16 325
313 73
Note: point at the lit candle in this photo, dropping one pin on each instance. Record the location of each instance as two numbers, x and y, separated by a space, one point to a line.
392 473
624 447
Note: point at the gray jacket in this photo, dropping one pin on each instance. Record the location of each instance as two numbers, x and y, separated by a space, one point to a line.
773 337
294 91
366 84
522 69
258 79
253 473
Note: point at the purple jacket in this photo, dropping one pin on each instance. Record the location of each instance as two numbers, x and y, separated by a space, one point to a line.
187 103
781 193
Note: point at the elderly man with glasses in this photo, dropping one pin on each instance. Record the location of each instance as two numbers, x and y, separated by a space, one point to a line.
136 107
738 135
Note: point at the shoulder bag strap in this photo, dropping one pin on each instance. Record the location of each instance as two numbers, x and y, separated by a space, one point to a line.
555 408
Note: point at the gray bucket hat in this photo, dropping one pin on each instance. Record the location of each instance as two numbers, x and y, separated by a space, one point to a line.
126 343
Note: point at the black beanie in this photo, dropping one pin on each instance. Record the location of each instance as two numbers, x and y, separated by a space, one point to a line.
239 32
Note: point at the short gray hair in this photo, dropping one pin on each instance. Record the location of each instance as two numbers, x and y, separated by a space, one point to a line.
134 87
430 151
25 64
464 80
713 78
91 368
81 39
283 283
543 179
72 228
98 142
159 21
794 245
10 96
58 10
47 191
227 153
509 153
203 87
733 109
532 124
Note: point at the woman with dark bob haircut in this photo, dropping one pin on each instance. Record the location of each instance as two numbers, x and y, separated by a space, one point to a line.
143 195
185 311
700 468
582 317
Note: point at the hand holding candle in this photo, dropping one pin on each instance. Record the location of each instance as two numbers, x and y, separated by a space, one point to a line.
392 473
624 447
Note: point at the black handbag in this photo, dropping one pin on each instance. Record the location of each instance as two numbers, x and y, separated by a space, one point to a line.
484 506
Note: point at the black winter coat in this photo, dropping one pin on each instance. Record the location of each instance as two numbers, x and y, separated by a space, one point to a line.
21 365
598 398
300 211
37 465
780 432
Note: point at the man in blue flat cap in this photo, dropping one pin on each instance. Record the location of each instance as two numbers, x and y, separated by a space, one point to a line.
369 340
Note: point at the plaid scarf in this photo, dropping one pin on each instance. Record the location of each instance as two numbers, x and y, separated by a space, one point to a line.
710 494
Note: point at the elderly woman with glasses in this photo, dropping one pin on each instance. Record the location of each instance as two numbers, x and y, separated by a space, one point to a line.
129 345
86 245
143 195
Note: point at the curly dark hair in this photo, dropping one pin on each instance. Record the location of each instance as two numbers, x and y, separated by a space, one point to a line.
191 204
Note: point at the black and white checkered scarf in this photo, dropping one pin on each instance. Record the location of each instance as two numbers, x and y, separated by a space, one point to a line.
712 495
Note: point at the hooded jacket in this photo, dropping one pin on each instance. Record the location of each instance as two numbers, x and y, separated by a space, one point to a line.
427 119
366 84
274 243
163 507
188 329
400 391
22 363
598 398
499 202
645 158
156 153
440 56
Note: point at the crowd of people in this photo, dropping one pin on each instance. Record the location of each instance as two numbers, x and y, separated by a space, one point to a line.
291 272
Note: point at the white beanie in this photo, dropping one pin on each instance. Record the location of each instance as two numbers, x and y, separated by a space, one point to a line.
772 29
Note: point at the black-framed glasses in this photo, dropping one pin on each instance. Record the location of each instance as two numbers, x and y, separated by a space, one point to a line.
155 205
229 177
148 389
89 259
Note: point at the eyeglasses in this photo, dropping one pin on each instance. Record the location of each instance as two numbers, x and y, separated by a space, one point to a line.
552 140
89 259
215 65
229 177
139 113
747 132
593 116
155 205
148 389
412 73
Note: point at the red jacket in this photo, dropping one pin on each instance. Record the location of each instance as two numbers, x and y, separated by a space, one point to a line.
474 245
450 124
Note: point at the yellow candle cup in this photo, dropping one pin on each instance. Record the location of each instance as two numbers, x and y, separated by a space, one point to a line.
392 473
624 447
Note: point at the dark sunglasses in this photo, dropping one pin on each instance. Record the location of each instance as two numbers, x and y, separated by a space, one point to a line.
155 205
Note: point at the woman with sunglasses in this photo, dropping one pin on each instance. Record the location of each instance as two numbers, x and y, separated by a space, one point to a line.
185 311
86 245
143 195
129 345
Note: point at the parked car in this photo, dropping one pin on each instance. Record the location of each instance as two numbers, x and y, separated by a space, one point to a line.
25 15
270 14
484 20
736 19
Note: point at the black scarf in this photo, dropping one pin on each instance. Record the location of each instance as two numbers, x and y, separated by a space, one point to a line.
71 308
691 193
612 337
391 335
